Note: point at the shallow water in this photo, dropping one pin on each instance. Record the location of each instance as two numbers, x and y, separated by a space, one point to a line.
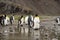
15 33
35 35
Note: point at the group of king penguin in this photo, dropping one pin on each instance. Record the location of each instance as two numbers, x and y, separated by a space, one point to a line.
31 21
5 20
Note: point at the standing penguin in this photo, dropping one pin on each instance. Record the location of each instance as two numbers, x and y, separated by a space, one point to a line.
36 22
30 21
12 19
26 20
20 24
21 20
6 20
58 20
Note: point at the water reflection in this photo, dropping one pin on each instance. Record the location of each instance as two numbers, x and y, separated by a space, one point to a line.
23 35
11 34
36 35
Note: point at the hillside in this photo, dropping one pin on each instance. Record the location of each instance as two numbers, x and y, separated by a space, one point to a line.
42 7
